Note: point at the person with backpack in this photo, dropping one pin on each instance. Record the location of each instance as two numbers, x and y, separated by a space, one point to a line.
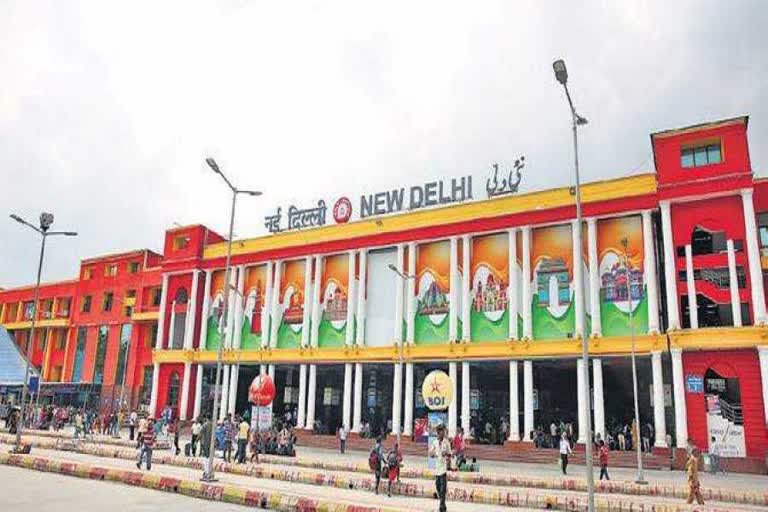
375 459
394 459
602 453
147 445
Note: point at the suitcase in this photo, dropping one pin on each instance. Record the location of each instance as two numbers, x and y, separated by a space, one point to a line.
188 449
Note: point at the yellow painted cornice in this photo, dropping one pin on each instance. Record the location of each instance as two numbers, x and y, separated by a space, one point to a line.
719 338
54 322
145 316
631 186
417 353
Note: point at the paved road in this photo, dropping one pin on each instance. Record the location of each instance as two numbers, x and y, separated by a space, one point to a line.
27 490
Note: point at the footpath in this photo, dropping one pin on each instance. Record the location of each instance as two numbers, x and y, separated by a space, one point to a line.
347 478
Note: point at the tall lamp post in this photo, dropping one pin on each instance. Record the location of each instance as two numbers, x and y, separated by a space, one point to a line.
403 276
46 220
561 74
640 478
208 472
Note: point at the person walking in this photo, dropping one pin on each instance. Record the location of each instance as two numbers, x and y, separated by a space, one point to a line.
602 453
147 445
342 439
255 444
173 429
565 450
230 434
394 460
196 427
243 430
694 485
441 452
132 420
375 460
714 456
141 431
205 437
458 445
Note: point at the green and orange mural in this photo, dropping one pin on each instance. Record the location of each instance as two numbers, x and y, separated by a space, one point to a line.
291 305
552 310
614 272
215 310
433 262
255 298
489 309
334 283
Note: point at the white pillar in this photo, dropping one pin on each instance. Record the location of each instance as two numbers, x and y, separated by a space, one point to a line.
681 414
310 325
452 409
410 295
266 309
693 307
224 398
232 305
527 400
301 416
526 277
734 285
172 327
465 390
237 335
670 268
453 318
234 375
153 396
594 278
399 291
762 354
311 397
357 416
189 331
514 404
161 317
397 387
361 291
204 312
581 395
649 270
514 285
274 324
184 402
346 415
753 257
466 302
658 401
271 370
408 402
598 400
578 279
349 333
198 391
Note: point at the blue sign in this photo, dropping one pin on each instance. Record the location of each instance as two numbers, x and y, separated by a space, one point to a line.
34 384
694 383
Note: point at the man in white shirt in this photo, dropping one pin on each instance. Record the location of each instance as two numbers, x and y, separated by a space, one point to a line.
565 450
441 452
342 439
132 420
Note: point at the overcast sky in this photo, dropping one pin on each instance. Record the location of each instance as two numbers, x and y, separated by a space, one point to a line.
108 109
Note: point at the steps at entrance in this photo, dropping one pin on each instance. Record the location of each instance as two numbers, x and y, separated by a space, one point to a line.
509 452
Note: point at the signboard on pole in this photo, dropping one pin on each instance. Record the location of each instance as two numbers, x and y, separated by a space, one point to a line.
434 418
261 418
34 384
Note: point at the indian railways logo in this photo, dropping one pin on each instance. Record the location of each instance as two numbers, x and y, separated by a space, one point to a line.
342 210
437 390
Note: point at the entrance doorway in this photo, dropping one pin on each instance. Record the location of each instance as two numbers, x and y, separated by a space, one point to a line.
377 398
329 398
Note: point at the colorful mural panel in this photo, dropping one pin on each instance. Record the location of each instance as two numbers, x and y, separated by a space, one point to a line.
215 310
552 308
334 301
290 310
433 261
615 274
255 298
489 310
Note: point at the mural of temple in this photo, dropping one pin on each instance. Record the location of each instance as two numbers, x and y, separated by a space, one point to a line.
548 269
434 302
614 284
294 314
491 296
336 307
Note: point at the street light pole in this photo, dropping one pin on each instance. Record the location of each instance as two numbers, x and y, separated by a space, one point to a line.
208 472
561 74
640 477
403 276
46 219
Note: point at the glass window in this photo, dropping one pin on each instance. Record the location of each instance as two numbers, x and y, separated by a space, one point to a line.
686 158
77 373
173 390
125 341
133 267
713 154
763 236
107 306
87 304
101 352
700 156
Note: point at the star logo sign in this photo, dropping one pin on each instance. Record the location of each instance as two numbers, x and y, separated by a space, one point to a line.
435 387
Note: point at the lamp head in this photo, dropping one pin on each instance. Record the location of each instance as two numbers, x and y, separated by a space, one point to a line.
46 219
561 72
213 165
254 193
